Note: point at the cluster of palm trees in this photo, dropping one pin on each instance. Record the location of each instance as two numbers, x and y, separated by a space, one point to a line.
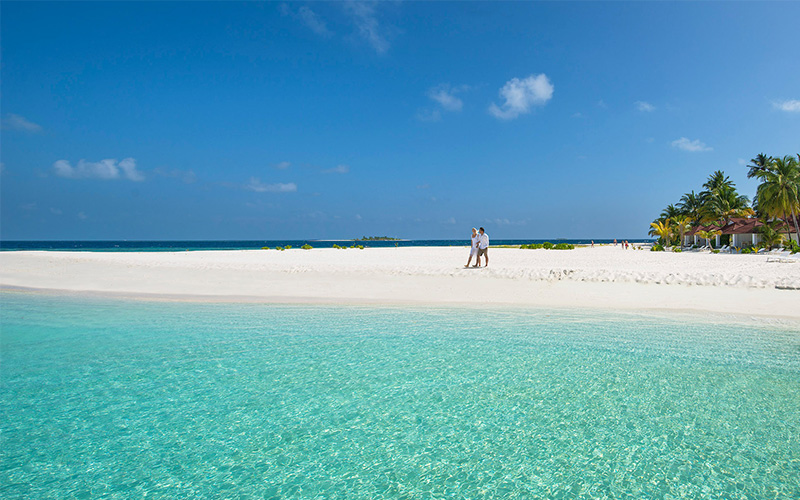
777 197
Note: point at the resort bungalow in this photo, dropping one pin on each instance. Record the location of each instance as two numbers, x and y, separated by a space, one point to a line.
691 237
744 232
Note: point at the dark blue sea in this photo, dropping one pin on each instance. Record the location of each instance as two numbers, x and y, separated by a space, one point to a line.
175 246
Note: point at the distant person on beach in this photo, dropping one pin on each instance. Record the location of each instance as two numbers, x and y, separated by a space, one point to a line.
483 248
592 243
473 251
615 242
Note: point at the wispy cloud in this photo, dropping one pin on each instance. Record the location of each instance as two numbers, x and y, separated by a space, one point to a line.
424 186
791 106
338 169
255 184
308 17
82 216
644 106
693 146
446 97
314 22
283 165
103 169
364 16
521 95
17 122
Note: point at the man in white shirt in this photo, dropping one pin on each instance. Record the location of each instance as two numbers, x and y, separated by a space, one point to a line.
473 251
483 248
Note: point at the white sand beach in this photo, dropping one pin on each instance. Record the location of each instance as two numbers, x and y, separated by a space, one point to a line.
599 277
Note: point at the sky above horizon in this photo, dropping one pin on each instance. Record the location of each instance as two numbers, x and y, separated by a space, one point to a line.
224 120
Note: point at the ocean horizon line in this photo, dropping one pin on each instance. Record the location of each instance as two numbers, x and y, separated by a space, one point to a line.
195 245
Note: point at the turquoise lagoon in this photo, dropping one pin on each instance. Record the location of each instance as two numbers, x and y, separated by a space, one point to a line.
134 399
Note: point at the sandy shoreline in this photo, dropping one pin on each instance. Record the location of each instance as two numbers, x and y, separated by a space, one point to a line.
600 277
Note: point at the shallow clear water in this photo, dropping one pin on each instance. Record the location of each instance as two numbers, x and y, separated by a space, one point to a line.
121 399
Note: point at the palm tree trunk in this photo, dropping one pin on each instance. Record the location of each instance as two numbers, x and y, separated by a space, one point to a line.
796 227
788 227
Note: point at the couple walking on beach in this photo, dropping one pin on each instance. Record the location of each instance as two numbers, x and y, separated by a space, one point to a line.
480 247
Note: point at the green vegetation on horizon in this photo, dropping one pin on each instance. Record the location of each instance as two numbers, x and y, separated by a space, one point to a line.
377 238
549 246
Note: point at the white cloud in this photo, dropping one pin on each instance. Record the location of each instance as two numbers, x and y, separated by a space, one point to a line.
283 165
451 220
28 206
742 162
17 122
602 104
256 185
55 211
791 106
694 146
446 98
338 169
358 217
314 22
82 216
364 17
424 186
645 106
103 169
520 95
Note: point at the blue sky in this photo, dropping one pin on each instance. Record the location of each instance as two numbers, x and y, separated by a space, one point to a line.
201 120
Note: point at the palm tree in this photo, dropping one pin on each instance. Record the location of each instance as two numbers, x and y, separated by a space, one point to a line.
662 230
682 223
779 191
717 180
725 203
691 205
707 235
770 237
668 213
760 162
721 201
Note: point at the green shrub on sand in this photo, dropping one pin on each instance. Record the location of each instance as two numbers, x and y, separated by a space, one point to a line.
657 248
306 247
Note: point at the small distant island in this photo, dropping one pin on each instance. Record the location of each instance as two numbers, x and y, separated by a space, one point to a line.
377 238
